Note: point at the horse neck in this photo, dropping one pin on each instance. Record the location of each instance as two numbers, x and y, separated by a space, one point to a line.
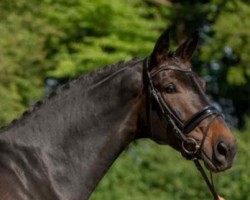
78 134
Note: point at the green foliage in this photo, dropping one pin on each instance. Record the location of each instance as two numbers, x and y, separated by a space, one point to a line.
48 38
232 31
42 39
60 39
226 51
95 34
149 171
21 58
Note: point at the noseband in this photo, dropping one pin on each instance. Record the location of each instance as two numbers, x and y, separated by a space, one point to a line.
155 101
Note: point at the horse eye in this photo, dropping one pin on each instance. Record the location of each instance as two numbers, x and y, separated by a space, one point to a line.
170 88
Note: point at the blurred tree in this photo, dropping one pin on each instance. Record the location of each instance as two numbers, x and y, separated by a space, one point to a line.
94 34
147 171
60 39
21 57
227 54
223 56
45 41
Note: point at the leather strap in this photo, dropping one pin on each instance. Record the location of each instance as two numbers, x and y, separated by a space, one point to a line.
181 129
198 117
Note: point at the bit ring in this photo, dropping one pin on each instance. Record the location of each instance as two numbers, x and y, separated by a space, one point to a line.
190 146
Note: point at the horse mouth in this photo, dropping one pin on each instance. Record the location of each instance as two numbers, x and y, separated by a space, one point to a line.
212 164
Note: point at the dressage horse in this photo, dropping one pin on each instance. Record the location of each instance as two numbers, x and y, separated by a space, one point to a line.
61 147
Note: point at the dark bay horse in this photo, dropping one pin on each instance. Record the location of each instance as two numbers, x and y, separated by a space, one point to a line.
61 147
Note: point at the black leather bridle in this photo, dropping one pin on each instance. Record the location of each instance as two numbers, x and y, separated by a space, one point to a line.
155 101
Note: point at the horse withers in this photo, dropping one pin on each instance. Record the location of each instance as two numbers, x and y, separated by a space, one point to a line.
62 146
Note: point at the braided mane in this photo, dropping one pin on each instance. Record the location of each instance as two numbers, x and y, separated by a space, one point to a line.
85 79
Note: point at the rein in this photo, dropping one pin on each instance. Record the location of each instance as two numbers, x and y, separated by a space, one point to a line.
155 101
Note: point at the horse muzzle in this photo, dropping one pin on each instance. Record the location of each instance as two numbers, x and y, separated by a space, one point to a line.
222 151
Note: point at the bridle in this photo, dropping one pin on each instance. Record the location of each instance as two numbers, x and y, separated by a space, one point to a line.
155 101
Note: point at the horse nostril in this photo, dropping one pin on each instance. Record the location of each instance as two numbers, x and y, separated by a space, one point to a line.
222 149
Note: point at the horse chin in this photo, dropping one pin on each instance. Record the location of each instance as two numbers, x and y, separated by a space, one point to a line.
212 165
209 164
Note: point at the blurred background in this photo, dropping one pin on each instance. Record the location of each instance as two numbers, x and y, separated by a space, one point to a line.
45 43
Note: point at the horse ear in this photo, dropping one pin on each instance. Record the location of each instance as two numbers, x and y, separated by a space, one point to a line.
160 50
186 50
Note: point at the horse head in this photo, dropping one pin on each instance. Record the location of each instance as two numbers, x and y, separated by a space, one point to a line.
178 110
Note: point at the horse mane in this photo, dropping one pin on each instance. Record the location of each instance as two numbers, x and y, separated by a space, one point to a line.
86 79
